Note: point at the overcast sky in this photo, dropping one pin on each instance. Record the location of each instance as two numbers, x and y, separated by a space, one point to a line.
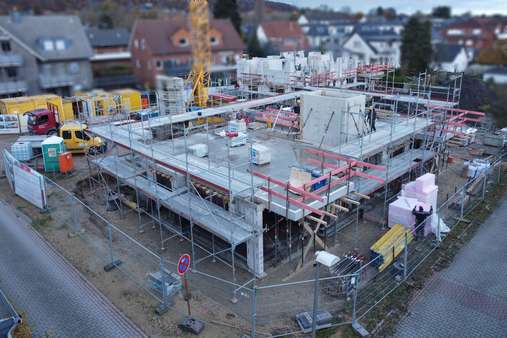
410 6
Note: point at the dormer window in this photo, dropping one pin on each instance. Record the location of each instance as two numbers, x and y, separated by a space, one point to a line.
48 45
213 40
183 42
60 44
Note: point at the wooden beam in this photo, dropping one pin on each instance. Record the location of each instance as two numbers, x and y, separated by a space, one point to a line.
340 207
366 197
297 203
315 219
313 234
286 185
348 200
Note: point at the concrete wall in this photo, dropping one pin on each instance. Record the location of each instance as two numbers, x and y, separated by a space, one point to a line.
346 123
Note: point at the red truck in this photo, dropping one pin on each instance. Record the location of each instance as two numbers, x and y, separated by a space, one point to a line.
43 122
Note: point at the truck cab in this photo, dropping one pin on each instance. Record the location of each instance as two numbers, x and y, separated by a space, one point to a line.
42 122
78 140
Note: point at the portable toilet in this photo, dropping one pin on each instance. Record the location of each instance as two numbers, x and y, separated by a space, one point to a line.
52 147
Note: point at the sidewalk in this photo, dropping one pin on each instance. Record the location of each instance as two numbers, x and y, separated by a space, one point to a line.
57 299
468 299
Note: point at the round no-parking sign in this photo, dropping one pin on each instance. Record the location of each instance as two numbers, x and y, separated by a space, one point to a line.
183 264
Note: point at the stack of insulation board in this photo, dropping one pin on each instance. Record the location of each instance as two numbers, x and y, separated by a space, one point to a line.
390 245
423 189
421 192
400 211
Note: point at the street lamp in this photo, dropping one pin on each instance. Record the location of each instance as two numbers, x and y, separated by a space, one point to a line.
327 259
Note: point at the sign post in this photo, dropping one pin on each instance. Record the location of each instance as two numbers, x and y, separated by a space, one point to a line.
183 265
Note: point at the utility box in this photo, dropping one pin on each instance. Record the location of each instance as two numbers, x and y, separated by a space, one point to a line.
52 147
199 150
260 154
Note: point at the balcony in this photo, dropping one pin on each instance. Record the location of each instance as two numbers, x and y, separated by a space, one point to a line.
10 60
114 81
55 81
11 87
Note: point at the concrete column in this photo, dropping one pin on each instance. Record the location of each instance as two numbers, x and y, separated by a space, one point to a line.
254 246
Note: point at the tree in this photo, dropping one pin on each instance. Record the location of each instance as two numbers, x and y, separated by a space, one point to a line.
416 47
443 12
228 9
254 47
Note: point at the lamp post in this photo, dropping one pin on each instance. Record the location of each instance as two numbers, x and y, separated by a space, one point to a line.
327 259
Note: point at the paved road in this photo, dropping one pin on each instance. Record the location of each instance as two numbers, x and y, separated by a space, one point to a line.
57 298
469 299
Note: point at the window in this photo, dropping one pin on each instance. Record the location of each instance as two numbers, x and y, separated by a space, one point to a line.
6 46
455 32
477 31
183 42
48 45
11 72
159 65
73 67
81 135
66 135
60 45
42 119
138 64
213 40
136 43
142 44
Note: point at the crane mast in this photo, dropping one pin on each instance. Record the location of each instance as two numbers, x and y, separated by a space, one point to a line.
201 51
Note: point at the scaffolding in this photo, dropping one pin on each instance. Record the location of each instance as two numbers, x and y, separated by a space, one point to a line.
223 201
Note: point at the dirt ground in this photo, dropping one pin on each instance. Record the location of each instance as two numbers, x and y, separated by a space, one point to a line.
210 299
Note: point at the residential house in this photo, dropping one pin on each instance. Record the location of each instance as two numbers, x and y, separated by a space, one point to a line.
373 46
476 33
43 54
497 75
318 36
111 64
450 58
282 36
321 17
164 46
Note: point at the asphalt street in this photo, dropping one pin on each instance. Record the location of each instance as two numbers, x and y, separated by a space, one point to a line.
58 300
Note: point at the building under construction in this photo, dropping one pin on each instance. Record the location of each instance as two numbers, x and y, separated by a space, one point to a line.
281 161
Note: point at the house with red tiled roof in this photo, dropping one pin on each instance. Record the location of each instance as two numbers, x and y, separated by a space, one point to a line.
282 36
476 33
164 46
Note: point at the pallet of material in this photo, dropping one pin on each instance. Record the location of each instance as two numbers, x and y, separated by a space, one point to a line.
389 246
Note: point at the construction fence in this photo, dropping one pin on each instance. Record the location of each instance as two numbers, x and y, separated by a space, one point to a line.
244 305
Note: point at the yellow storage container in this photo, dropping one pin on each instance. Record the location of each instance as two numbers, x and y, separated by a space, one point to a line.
24 104
390 245
130 98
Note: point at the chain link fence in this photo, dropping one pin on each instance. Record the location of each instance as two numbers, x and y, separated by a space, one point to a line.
243 304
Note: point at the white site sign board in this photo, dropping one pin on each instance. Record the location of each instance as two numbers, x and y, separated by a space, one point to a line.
9 124
27 183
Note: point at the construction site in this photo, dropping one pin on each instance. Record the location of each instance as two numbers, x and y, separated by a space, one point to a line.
300 153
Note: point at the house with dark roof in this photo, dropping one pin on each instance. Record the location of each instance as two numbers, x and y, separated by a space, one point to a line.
318 35
164 46
370 46
43 54
282 36
450 58
111 64
497 75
